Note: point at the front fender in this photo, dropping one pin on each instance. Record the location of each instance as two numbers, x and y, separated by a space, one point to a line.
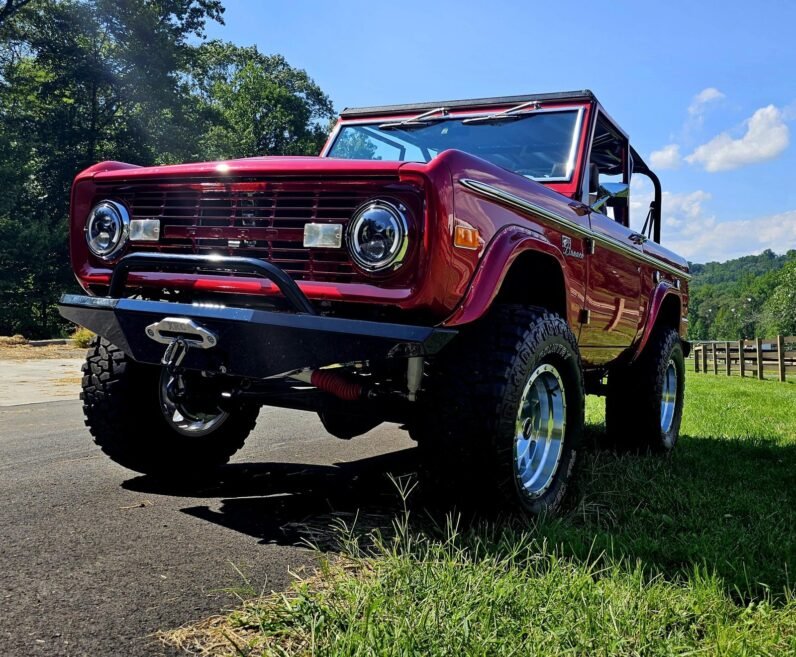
502 252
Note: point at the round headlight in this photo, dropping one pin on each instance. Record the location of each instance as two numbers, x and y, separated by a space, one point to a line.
378 235
107 229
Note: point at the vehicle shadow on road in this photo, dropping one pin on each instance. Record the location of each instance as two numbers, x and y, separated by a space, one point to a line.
298 503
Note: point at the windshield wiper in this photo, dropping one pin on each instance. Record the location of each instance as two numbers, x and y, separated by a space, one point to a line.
512 113
418 121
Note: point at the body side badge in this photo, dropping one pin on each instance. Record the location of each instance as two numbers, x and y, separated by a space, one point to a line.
566 244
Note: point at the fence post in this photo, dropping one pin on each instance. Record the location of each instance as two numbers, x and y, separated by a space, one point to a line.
704 358
695 350
715 358
781 356
727 363
759 348
742 357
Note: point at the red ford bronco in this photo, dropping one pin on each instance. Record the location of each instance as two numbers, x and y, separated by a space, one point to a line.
469 269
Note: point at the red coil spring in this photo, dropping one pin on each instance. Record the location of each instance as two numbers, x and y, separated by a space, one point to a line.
336 385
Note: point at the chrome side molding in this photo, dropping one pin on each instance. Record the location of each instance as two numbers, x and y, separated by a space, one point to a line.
512 200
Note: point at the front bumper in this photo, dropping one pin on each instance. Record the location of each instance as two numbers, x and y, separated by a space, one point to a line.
247 343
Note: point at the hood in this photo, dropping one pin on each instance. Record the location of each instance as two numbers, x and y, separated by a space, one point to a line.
244 167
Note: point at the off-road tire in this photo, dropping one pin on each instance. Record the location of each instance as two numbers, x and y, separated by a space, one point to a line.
467 432
122 411
635 394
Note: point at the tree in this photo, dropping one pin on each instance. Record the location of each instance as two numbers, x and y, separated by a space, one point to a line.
9 8
261 104
727 299
80 81
780 308
88 80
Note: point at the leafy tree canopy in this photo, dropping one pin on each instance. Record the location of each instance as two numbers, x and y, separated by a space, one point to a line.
9 8
743 298
779 310
261 105
88 80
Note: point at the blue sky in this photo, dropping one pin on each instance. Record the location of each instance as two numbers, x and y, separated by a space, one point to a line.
706 90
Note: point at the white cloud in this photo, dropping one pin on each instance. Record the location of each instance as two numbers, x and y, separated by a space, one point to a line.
692 231
704 97
640 196
766 137
667 157
685 211
789 112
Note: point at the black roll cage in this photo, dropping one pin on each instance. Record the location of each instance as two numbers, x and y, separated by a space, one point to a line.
652 224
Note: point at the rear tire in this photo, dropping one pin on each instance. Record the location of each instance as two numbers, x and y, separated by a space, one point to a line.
504 416
644 405
123 407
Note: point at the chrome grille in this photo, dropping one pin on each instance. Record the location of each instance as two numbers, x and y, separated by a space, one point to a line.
248 219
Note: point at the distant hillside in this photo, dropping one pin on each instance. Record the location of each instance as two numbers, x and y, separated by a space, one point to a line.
742 297
733 271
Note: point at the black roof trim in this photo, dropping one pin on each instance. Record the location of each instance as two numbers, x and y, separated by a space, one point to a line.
585 94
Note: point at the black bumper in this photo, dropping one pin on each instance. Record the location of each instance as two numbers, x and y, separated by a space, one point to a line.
248 343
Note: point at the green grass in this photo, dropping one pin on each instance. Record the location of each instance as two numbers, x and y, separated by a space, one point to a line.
692 554
726 499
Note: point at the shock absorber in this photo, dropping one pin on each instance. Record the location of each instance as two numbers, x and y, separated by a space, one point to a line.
336 384
332 383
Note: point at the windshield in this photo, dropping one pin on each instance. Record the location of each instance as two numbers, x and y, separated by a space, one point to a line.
540 144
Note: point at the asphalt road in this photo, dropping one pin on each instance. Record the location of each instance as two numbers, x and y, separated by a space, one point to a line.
94 558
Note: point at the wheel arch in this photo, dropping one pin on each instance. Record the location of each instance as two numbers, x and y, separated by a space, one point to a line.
515 257
535 265
666 309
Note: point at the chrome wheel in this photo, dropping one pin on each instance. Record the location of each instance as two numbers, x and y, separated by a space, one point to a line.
539 433
669 397
187 416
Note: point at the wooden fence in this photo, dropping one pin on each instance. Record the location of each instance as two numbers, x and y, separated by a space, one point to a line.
755 358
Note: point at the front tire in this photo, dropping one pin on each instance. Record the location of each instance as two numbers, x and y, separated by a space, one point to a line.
132 419
644 406
505 413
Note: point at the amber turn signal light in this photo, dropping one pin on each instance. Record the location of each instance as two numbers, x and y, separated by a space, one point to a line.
466 237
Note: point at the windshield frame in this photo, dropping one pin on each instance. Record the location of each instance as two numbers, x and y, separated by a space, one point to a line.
572 156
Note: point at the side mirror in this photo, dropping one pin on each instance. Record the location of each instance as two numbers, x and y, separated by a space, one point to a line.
609 191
